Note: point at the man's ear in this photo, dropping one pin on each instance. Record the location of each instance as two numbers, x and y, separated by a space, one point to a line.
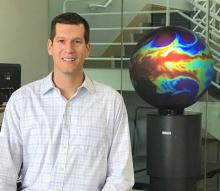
49 46
88 49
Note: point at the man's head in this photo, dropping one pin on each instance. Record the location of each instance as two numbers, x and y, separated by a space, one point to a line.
69 44
69 18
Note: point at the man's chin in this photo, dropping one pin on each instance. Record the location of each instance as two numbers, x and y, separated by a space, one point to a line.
73 72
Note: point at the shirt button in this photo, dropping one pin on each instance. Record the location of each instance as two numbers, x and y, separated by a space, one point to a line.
68 106
58 189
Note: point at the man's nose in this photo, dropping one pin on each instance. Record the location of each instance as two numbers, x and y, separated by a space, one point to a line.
69 47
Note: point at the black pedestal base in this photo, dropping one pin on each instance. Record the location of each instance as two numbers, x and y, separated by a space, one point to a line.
175 184
173 151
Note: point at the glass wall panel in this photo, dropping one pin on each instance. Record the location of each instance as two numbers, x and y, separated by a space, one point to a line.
116 27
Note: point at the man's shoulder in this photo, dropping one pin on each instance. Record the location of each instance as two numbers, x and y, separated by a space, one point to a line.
27 89
106 90
32 86
101 87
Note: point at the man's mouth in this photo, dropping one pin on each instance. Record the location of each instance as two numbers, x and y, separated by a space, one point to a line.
69 59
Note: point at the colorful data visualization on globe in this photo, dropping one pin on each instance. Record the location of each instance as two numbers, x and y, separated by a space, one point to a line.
171 67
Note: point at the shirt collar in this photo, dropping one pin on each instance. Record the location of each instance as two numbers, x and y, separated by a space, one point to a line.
88 84
48 84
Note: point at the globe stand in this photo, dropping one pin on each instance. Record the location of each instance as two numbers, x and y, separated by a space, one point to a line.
171 111
173 151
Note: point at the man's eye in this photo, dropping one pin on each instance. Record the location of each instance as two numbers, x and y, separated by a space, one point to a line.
60 41
78 41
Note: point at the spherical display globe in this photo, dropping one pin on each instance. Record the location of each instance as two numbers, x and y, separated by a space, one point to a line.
171 68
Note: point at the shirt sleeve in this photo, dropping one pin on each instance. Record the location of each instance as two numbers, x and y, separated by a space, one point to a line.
120 175
11 149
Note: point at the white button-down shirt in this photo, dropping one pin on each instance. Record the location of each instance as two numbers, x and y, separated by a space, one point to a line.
80 144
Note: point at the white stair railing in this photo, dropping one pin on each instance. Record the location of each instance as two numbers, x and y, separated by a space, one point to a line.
207 24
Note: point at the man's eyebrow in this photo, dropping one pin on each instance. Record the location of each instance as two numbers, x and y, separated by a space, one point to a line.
78 38
59 37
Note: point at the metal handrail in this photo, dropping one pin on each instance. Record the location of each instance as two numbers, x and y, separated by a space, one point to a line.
107 58
113 43
124 28
94 5
126 13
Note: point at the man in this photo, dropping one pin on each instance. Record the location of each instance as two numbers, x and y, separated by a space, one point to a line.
67 132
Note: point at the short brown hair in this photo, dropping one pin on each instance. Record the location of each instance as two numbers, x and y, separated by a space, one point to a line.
69 18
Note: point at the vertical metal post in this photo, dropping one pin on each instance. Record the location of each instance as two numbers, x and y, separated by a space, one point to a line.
218 146
206 106
122 43
207 20
168 13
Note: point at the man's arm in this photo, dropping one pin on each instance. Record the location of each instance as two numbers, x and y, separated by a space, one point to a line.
11 149
120 176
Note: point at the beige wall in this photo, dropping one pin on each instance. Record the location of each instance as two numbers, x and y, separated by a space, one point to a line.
23 36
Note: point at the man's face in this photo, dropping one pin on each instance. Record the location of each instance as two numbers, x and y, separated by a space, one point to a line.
68 49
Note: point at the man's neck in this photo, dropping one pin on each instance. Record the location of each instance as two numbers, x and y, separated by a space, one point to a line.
68 84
